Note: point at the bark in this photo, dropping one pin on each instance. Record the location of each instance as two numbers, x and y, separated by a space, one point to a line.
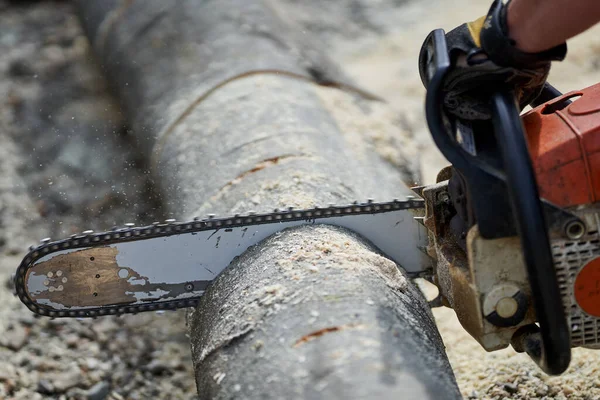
238 110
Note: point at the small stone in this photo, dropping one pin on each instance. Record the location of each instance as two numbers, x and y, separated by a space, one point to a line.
510 388
7 372
157 367
15 337
99 391
27 319
116 396
541 390
26 394
74 393
9 385
44 387
92 363
567 390
72 340
20 69
68 380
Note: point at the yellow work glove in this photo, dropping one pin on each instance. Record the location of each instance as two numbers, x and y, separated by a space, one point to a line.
484 59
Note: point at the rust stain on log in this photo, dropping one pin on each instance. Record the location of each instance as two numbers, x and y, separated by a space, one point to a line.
316 334
258 167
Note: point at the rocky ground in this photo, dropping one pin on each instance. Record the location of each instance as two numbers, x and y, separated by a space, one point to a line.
64 161
66 165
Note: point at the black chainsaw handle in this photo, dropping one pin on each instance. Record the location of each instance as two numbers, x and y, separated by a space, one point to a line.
435 63
554 353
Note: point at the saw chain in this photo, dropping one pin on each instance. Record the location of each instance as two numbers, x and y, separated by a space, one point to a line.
167 266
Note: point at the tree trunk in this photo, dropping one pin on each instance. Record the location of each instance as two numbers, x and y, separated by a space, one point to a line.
238 111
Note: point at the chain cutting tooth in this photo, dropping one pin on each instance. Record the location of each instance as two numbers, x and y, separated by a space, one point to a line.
410 197
370 201
45 240
211 216
129 224
170 221
88 232
420 220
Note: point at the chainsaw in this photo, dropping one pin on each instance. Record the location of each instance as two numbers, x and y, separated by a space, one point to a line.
508 233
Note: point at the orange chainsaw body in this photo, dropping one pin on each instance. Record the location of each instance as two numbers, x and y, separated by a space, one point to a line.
564 144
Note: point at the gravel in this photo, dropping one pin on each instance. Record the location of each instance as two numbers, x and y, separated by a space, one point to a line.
67 165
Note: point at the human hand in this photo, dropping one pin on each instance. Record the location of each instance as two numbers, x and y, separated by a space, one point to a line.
484 60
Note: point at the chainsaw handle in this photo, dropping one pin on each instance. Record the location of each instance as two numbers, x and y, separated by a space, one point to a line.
555 351
434 64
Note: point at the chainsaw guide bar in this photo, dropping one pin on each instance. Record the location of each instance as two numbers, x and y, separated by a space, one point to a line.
169 265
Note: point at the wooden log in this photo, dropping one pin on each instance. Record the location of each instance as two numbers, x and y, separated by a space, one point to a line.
239 112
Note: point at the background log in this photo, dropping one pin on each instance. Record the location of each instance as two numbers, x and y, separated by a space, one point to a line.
239 111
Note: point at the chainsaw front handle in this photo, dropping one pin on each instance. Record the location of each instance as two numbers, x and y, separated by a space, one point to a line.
555 351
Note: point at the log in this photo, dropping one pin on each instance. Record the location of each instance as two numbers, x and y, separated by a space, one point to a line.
238 111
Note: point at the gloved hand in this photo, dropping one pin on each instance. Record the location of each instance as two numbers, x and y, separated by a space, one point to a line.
485 59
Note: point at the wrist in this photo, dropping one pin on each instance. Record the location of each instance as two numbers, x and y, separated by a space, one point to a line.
519 28
498 41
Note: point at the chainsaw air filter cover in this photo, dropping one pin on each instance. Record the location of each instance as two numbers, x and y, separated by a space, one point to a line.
564 144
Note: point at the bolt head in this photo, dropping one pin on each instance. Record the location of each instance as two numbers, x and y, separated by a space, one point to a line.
506 307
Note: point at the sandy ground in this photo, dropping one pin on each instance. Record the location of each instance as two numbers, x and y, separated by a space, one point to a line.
48 88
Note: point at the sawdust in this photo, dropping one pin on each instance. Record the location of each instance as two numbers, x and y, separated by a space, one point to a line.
313 253
374 128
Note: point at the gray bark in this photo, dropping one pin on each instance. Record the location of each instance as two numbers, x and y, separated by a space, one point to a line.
240 111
